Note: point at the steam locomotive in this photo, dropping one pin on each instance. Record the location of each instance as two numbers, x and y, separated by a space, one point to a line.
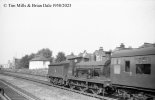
129 74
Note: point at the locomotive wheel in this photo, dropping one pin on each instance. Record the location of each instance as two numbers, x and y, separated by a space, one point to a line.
51 81
110 90
126 95
96 91
140 96
72 86
55 81
83 84
60 82
83 89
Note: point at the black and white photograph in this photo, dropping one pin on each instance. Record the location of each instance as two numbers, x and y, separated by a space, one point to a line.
77 49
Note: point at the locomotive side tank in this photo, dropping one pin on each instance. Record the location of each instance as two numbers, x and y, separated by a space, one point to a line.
134 68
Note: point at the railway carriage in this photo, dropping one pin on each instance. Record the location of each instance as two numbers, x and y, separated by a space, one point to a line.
133 71
135 68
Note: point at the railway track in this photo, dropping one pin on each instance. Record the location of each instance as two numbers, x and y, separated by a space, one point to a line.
61 87
12 92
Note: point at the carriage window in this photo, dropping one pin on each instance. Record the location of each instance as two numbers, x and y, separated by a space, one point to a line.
117 69
143 68
127 66
117 61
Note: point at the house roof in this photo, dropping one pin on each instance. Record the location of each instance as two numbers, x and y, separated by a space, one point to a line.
88 55
40 58
99 52
60 63
71 56
85 54
147 45
134 52
76 57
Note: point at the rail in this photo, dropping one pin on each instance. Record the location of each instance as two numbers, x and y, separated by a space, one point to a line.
65 88
3 96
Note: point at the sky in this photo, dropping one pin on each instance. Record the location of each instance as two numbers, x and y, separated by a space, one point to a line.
86 25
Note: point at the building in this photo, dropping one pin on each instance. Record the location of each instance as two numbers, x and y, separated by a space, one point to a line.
99 55
16 63
8 65
145 45
39 62
122 47
70 56
88 56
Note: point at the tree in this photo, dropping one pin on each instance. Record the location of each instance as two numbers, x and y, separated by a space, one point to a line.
72 54
60 57
47 53
24 62
31 56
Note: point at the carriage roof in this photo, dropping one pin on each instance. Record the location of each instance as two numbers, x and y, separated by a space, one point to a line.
134 52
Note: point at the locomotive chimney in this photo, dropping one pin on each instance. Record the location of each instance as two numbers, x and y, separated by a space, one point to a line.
122 46
101 49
